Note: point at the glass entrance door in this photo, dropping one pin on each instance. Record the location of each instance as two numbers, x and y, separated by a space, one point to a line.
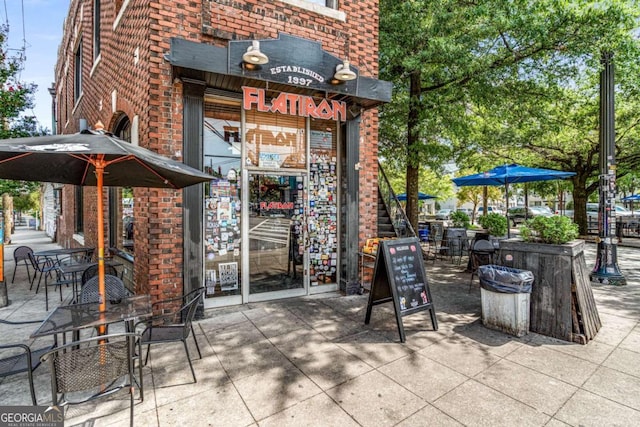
276 235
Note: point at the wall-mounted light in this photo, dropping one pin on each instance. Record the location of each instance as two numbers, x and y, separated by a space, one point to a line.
344 73
254 56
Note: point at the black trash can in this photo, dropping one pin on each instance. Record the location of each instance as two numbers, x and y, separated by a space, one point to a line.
505 294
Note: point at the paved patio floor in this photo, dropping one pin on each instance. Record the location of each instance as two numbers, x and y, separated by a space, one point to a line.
312 362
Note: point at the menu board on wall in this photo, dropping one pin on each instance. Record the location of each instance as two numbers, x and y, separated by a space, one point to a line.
399 276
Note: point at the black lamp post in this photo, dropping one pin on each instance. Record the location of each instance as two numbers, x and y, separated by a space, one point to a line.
606 270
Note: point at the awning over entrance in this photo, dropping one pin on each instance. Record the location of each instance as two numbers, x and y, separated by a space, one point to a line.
295 65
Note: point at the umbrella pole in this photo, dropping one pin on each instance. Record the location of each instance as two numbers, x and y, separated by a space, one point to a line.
99 165
506 211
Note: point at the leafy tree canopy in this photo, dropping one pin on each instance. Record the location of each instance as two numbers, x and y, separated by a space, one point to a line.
15 97
491 82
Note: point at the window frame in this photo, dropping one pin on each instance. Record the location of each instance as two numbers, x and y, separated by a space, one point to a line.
79 210
96 29
122 129
77 73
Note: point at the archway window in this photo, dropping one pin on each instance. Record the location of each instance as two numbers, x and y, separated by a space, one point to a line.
121 201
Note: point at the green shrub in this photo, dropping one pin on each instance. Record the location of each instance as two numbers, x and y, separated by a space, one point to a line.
460 220
553 229
494 223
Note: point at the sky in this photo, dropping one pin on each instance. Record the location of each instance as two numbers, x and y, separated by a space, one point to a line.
36 25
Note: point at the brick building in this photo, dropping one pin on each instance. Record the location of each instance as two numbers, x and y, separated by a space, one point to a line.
259 95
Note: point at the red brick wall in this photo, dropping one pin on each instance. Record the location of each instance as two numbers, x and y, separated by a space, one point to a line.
146 89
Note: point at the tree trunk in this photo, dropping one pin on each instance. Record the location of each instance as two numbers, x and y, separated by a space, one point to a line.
485 200
580 203
413 163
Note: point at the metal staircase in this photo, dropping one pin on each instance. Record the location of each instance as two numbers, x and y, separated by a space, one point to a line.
392 220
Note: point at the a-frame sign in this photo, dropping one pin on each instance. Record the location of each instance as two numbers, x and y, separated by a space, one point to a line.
399 276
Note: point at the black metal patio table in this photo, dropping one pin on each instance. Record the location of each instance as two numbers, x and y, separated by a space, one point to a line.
73 318
55 254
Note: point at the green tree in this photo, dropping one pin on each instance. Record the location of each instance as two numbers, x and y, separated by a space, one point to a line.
15 98
27 202
430 182
453 63
476 196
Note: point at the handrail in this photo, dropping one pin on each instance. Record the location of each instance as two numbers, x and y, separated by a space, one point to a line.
401 224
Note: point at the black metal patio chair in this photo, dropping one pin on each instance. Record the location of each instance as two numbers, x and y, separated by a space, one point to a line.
92 271
21 257
113 285
482 253
174 325
94 367
437 242
16 358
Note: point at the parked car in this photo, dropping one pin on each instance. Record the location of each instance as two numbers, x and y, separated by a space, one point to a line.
444 214
592 211
517 213
467 211
490 209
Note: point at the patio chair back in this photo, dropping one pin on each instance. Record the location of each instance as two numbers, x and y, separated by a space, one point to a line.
21 359
481 254
114 289
92 368
21 255
92 271
42 266
175 326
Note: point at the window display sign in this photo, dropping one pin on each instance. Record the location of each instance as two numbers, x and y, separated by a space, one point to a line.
269 160
228 272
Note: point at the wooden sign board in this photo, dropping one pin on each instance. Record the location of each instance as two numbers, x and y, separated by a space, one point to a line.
399 276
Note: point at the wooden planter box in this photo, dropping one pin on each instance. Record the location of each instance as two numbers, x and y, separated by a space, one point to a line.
562 303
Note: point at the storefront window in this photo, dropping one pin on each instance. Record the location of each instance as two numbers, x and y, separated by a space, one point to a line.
323 204
275 141
222 204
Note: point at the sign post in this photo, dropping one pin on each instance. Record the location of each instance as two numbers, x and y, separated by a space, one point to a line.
606 270
399 276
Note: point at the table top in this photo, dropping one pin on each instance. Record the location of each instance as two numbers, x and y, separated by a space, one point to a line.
79 267
69 318
62 251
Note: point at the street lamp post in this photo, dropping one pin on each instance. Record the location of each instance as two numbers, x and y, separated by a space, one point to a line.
606 269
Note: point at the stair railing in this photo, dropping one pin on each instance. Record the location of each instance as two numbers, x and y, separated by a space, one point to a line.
401 224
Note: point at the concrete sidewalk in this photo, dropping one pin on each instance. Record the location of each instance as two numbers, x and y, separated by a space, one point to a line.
312 361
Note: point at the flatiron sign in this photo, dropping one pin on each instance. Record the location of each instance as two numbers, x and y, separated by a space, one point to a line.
293 104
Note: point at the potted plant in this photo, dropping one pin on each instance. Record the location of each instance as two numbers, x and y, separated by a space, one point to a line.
460 220
549 229
494 223
562 303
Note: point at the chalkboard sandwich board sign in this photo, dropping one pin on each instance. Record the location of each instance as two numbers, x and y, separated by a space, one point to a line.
399 276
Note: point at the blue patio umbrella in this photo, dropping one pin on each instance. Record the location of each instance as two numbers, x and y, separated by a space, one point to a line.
510 174
421 196
632 198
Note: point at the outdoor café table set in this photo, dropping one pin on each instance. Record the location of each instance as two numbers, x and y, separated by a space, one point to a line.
70 262
75 317
96 363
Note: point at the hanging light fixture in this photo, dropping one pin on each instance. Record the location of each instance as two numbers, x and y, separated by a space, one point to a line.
343 72
254 56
